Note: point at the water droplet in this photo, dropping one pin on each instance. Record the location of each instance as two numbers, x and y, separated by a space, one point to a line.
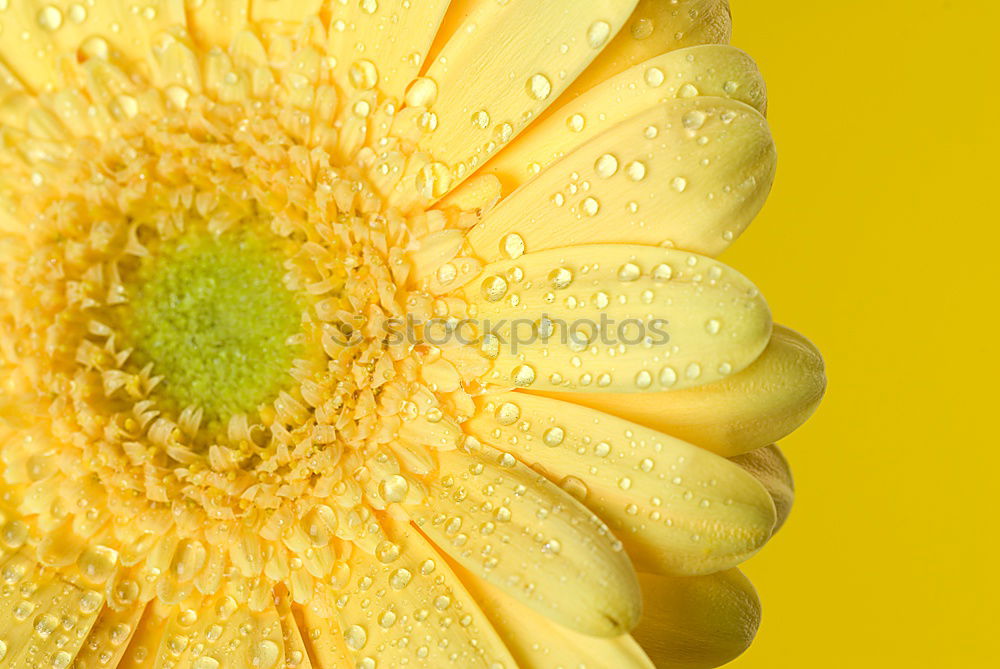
77 13
575 487
363 75
264 655
642 29
662 272
629 272
494 288
693 120
730 87
602 449
422 92
654 77
553 436
598 33
400 579
646 465
369 6
693 371
713 326
636 170
512 245
356 637
625 483
679 184
590 206
668 376
606 166
643 379
387 552
576 122
50 18
687 91
394 488
507 413
560 278
523 376
539 87
481 119
205 662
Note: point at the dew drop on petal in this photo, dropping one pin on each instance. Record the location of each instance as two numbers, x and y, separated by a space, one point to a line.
693 120
539 87
606 166
598 33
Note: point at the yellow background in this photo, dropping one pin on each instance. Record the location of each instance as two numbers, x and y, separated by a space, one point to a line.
880 241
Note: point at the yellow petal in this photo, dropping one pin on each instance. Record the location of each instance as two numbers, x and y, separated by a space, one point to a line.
50 33
217 22
503 66
688 174
618 318
711 70
512 527
34 606
655 27
749 410
769 466
142 649
677 508
322 636
697 622
405 607
538 643
222 628
391 35
106 644
275 10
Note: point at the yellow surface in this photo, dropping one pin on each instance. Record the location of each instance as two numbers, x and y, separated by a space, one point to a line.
880 241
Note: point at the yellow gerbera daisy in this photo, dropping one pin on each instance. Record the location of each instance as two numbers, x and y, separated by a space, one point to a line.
383 333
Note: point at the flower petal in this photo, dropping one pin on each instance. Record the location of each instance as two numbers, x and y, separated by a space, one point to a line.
512 527
538 643
689 174
393 35
617 318
142 649
677 508
34 605
503 66
655 27
399 611
223 628
109 30
711 70
769 466
109 638
217 22
760 405
697 622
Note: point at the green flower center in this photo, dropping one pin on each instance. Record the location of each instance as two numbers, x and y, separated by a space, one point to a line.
213 316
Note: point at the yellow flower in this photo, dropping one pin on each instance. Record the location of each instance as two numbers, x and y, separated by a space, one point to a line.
383 333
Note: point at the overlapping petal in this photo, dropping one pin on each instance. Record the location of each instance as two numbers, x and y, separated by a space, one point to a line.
615 318
697 622
512 527
677 508
688 173
749 410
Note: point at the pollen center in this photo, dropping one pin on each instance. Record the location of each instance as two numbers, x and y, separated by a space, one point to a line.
213 316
